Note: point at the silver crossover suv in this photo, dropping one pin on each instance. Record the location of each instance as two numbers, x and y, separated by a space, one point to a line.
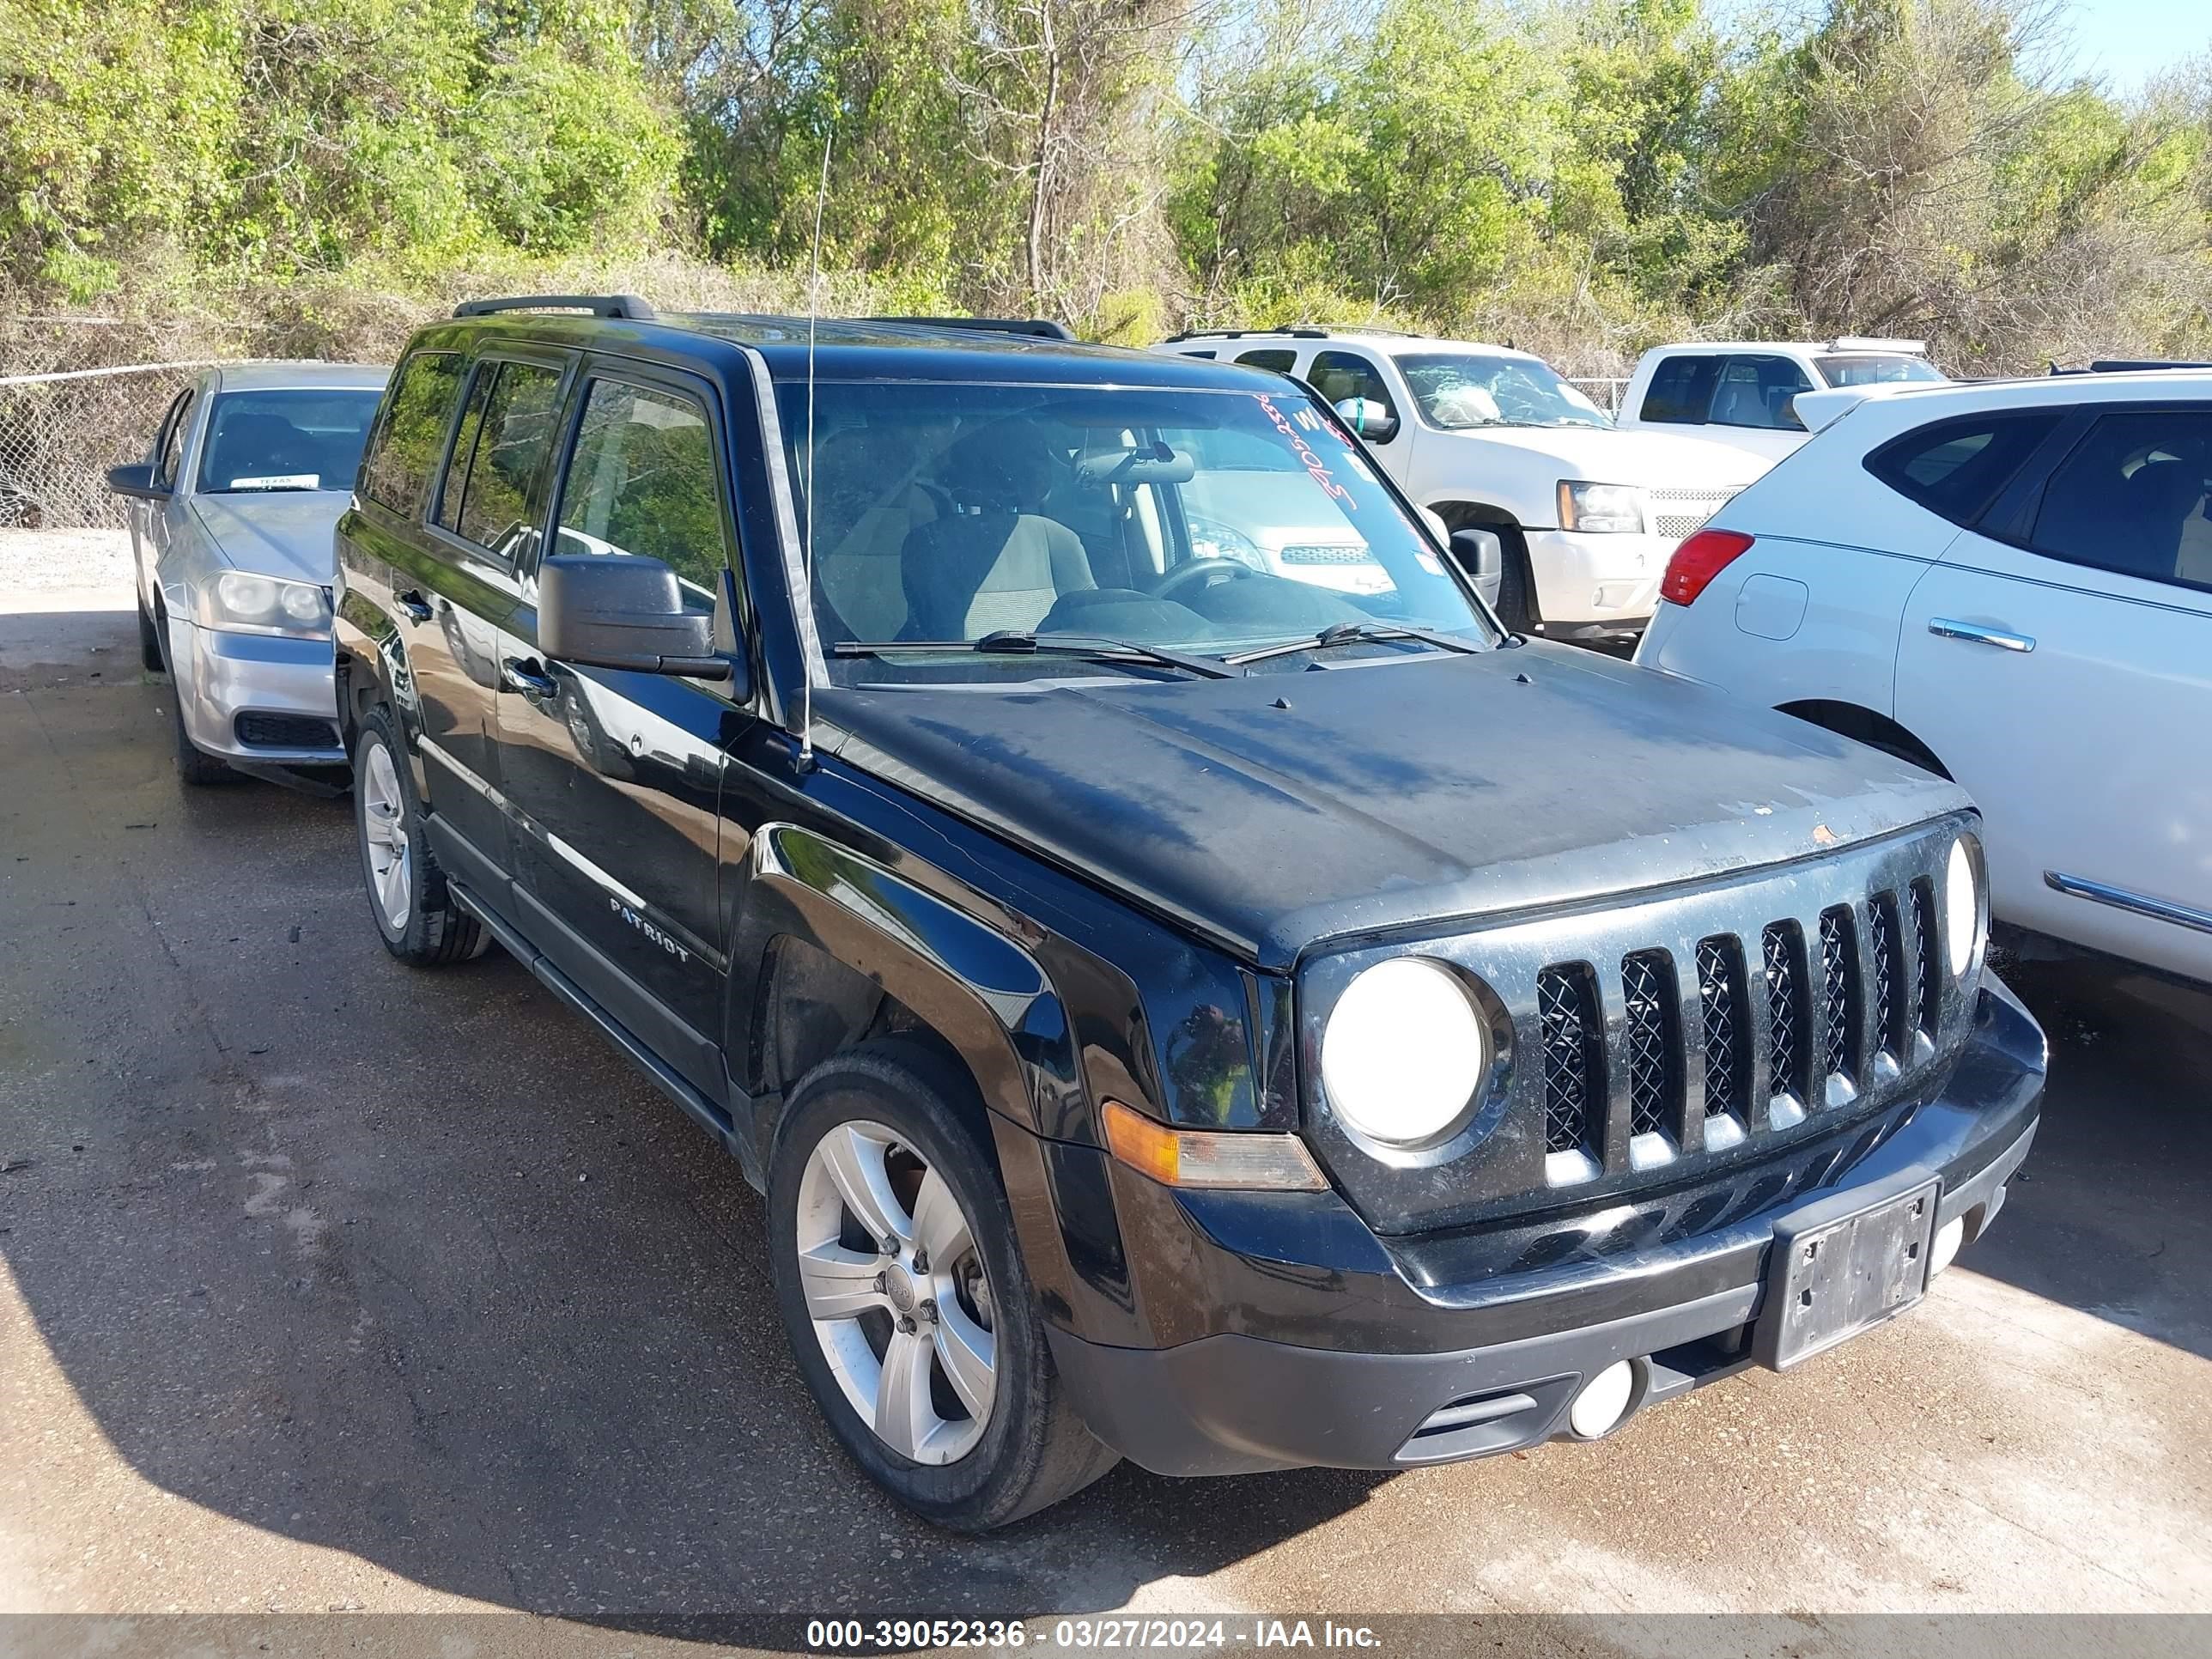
231 519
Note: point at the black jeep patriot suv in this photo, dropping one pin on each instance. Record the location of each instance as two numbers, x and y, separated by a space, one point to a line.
1190 987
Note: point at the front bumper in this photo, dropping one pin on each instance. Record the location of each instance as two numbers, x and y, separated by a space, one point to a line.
1611 580
1501 1358
257 698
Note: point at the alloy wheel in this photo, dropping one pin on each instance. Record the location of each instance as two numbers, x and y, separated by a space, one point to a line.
897 1293
386 843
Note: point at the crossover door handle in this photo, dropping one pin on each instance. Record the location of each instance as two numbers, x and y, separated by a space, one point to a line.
412 602
527 677
1974 633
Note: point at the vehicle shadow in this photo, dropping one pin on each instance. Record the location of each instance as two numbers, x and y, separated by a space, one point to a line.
2109 1214
411 1266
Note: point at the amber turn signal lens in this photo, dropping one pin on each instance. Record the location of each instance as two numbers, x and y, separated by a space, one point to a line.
1191 1158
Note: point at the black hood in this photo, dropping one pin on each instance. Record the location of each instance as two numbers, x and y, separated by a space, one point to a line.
1384 795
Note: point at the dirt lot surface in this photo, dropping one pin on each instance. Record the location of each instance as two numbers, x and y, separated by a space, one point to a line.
325 1283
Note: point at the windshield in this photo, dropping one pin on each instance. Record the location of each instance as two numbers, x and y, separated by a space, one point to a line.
1873 368
1458 390
287 439
1211 522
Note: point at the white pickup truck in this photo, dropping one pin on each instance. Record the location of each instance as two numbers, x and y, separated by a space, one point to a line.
1491 438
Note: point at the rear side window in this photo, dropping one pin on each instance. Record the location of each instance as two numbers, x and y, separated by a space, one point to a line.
1955 468
1759 392
1681 391
2131 497
1280 361
396 471
507 437
642 480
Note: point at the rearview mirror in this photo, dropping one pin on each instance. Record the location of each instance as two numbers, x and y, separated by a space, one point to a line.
618 611
1371 419
136 480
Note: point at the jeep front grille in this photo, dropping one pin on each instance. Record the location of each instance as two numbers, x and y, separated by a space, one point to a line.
1727 1025
1655 1079
1927 988
1888 972
1785 954
1566 1013
1839 994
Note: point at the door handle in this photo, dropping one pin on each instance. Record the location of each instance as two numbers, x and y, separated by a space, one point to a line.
416 607
527 677
1976 633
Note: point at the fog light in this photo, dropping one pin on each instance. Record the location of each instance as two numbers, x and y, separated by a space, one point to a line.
1603 1401
1948 1238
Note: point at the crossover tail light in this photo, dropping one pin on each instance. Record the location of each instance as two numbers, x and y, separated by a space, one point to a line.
1698 561
1193 1157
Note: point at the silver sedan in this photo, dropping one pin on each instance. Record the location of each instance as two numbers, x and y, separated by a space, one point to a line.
231 521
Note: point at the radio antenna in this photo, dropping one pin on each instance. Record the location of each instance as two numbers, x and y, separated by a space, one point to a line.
807 561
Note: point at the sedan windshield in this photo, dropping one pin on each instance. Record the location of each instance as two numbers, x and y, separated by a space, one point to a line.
1457 390
1033 532
286 438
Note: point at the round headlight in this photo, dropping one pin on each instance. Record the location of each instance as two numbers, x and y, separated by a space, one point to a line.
1405 1051
245 595
1961 903
302 603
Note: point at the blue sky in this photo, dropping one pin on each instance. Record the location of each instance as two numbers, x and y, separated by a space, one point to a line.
2125 42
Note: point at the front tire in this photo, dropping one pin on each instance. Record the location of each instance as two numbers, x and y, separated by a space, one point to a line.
905 1297
416 916
1516 585
151 658
196 768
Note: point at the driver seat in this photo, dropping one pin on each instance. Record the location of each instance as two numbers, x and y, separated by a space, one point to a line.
993 563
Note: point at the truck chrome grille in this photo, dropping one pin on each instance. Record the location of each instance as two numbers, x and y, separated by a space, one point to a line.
1727 1025
1567 1016
1327 553
1677 512
1838 997
1655 1081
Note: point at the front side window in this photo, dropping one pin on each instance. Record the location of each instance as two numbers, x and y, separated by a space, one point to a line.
1955 468
288 438
1760 393
1456 391
505 453
170 448
396 472
1877 368
1681 390
1215 522
642 481
2131 498
1346 378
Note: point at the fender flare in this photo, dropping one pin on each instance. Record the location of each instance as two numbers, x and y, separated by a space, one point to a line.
981 991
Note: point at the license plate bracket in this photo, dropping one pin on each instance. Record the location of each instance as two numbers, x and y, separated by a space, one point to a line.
1835 1274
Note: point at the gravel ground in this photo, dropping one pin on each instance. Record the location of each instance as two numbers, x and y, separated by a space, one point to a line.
327 1284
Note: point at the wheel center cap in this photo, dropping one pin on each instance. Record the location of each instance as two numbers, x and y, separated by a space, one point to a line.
899 1288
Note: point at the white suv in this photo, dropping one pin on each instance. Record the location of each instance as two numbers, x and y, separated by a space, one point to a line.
2010 583
1489 438
1743 394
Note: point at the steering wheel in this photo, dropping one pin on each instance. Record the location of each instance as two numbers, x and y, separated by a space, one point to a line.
1200 573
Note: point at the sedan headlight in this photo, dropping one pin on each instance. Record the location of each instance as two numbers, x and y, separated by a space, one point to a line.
1962 905
1404 1053
1600 507
242 602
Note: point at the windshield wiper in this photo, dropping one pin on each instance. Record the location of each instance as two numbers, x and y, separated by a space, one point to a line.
1020 642
1354 633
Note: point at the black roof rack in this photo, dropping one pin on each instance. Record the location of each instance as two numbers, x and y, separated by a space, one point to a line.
2126 366
1043 328
627 306
1302 331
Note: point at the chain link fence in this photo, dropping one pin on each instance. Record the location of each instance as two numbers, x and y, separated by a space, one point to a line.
60 433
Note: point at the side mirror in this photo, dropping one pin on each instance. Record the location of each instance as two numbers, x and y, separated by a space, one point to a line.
136 480
1481 554
1370 419
617 611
